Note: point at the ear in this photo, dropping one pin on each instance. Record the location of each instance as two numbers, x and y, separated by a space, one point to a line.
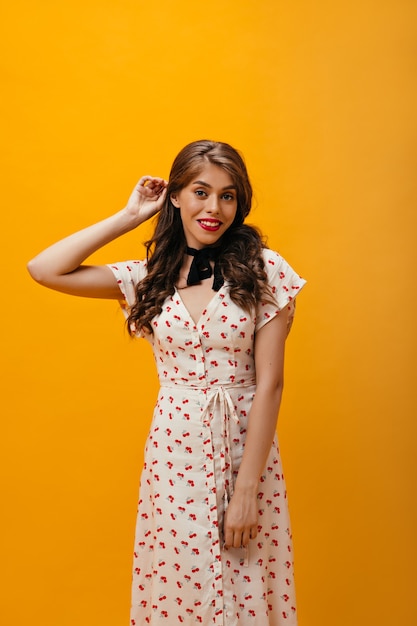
174 200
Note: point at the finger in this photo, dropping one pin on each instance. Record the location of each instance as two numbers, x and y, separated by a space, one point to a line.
245 537
158 187
154 180
228 537
237 539
253 532
143 180
151 187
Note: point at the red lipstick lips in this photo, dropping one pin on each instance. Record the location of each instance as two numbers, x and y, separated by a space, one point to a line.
210 224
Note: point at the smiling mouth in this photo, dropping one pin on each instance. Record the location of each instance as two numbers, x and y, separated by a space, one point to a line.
210 224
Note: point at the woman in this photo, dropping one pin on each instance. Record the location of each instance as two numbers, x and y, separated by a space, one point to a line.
213 541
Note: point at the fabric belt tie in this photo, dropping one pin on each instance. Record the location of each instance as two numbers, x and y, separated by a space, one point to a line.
228 414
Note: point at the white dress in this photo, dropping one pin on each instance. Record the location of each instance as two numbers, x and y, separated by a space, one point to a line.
182 573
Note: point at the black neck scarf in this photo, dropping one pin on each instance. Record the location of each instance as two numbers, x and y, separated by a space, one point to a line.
201 268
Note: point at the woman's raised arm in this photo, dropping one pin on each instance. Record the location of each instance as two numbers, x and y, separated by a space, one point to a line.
60 266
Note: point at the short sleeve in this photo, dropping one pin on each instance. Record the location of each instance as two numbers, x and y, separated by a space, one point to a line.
128 274
285 285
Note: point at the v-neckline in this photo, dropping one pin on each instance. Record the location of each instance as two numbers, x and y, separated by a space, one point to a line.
204 311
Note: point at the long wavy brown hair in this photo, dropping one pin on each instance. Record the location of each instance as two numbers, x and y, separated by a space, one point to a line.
240 260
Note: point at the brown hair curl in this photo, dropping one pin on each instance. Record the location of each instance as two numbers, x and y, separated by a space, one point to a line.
240 259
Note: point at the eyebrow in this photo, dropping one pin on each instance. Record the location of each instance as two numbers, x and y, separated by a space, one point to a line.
203 184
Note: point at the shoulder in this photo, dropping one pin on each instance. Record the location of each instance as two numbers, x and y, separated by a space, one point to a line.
129 270
128 274
284 283
274 262
283 279
270 256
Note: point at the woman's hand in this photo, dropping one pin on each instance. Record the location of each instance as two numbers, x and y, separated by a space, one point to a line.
147 198
241 519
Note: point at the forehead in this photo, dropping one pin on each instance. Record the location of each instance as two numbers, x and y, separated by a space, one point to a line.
213 175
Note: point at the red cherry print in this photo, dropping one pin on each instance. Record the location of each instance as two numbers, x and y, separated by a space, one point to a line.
185 364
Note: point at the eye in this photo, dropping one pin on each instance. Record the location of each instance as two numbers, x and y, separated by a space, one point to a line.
200 192
228 196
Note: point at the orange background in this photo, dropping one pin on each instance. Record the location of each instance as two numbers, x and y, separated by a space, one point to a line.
321 98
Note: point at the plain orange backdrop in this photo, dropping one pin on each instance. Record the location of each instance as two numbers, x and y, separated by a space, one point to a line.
321 99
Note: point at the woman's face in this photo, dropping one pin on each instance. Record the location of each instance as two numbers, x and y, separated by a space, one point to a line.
207 206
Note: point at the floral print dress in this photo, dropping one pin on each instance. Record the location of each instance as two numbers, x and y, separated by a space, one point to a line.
182 572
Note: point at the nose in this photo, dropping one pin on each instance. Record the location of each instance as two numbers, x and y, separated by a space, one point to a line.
212 206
